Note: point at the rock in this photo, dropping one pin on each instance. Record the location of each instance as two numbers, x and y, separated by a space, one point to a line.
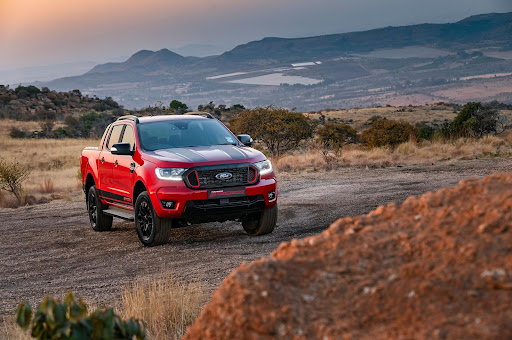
436 266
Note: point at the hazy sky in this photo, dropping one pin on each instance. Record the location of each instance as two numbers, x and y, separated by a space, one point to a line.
41 32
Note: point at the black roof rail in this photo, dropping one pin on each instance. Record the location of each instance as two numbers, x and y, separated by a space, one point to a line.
129 117
204 114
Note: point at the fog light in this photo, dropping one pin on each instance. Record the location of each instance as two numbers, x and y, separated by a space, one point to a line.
168 204
271 195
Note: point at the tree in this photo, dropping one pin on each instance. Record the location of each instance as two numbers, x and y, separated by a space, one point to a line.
178 107
12 176
277 128
474 120
387 132
334 135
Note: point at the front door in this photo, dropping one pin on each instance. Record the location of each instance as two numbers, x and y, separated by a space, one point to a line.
124 167
106 165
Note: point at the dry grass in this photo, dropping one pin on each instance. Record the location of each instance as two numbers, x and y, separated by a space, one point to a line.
409 153
54 162
11 331
411 114
167 306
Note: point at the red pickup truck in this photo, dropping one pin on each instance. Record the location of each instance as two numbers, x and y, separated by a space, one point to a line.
170 171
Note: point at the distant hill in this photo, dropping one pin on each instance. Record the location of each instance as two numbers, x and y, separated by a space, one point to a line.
472 32
337 70
144 61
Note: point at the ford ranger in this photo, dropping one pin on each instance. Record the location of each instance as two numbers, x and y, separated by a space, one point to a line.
171 171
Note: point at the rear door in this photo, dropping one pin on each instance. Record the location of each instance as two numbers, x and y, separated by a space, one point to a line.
124 167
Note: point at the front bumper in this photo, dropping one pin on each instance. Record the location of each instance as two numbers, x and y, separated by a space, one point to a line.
194 205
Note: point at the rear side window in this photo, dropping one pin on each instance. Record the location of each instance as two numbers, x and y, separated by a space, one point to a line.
129 137
115 135
102 141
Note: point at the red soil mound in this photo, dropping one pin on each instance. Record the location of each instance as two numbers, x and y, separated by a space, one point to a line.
437 266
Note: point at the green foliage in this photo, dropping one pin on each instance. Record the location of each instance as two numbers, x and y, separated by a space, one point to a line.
474 120
69 320
12 176
277 128
334 135
387 132
425 132
178 107
91 123
31 90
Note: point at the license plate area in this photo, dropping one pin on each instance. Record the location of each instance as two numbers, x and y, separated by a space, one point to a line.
226 193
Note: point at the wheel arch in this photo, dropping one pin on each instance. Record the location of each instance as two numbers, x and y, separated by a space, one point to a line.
137 190
89 182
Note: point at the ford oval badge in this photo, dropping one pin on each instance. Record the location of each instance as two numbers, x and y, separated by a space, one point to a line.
224 176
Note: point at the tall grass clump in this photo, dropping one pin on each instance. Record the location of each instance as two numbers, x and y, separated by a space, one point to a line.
167 306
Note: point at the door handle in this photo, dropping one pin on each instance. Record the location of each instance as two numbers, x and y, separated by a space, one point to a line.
115 163
102 160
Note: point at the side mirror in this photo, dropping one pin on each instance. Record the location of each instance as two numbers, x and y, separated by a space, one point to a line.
122 149
245 139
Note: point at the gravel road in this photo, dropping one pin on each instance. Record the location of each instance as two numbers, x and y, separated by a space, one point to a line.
51 248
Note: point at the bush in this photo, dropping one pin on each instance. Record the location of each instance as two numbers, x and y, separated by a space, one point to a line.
12 176
474 120
69 320
334 136
18 133
277 128
425 132
178 107
387 132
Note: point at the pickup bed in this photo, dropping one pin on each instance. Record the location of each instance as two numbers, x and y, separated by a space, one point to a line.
170 171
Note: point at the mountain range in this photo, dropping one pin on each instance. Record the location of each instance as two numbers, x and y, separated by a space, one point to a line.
426 62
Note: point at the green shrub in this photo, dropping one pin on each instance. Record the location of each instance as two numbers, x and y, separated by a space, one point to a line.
277 128
474 120
334 135
12 176
178 107
387 132
69 320
425 132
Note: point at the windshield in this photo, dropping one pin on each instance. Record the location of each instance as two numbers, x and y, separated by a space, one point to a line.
184 133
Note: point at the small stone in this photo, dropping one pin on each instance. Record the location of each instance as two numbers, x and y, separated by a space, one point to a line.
418 217
308 298
411 294
264 293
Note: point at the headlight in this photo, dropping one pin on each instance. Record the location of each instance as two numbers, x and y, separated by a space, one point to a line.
170 174
264 166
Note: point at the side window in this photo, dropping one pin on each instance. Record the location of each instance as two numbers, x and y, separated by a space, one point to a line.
129 137
102 141
115 135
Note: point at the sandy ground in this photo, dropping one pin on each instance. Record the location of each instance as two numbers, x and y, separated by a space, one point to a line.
51 249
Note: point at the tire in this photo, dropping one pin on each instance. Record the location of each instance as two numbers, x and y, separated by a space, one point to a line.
265 224
99 220
151 229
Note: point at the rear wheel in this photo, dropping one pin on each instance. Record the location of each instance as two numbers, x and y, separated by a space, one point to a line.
99 221
262 224
151 229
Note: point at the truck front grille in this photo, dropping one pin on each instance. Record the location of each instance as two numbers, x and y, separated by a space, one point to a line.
205 177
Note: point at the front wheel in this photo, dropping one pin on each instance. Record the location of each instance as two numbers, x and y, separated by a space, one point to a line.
99 221
263 224
151 229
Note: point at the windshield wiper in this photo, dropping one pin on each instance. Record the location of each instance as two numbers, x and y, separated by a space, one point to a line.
228 144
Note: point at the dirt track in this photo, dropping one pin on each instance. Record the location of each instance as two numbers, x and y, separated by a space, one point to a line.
51 249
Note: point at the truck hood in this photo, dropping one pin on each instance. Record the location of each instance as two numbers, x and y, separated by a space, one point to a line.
203 155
